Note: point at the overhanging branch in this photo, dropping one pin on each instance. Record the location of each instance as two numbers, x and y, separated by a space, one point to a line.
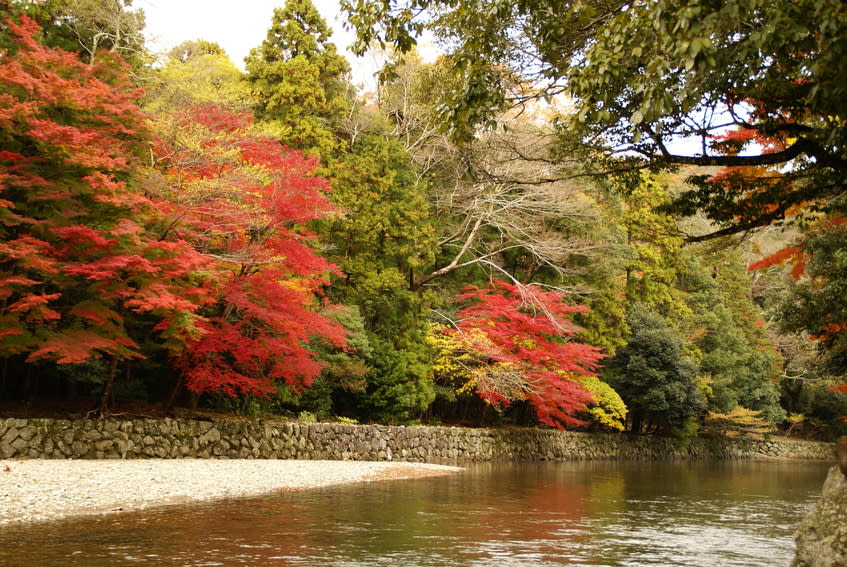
758 222
801 146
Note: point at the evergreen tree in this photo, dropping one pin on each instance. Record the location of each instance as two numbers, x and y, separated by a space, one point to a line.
738 360
640 261
299 79
651 373
381 239
655 245
380 235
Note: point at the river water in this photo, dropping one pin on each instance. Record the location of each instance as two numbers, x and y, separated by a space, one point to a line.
689 514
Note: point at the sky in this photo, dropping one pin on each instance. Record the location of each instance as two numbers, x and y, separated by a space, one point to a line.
236 25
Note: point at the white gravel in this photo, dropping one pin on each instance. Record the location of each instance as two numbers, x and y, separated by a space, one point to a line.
34 490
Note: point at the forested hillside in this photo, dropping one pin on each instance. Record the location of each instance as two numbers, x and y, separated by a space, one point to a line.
588 214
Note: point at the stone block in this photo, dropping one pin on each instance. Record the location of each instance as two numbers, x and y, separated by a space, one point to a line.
80 449
28 432
11 434
92 435
6 451
212 435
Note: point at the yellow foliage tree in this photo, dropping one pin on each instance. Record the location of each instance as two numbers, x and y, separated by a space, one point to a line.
608 409
740 422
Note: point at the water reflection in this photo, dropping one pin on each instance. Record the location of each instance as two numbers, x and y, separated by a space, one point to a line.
600 514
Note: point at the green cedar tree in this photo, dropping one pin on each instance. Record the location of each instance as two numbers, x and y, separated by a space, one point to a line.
299 80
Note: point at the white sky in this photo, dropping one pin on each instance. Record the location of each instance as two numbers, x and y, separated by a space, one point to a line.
237 26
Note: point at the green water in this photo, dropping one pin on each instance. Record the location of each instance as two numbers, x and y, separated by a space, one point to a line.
600 514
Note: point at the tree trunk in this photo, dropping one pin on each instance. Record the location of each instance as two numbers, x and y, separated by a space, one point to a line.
107 386
636 422
791 391
26 387
71 389
170 402
4 371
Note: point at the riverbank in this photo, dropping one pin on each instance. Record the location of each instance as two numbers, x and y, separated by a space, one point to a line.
36 490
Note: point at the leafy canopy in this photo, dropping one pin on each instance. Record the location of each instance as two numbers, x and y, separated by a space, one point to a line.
645 76
298 78
653 376
815 303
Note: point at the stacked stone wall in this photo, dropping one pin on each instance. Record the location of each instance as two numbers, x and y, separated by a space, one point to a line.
170 438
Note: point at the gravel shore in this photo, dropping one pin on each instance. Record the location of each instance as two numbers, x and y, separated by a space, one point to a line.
35 490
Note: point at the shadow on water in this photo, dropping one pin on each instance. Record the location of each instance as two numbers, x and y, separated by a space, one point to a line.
538 514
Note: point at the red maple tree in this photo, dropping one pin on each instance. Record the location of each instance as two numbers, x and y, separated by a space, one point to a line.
244 201
529 331
75 258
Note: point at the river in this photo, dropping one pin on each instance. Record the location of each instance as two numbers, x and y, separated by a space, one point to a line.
691 514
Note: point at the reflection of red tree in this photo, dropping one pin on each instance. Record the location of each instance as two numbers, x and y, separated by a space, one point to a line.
523 513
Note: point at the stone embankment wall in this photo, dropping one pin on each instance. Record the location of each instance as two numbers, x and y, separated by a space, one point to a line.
169 438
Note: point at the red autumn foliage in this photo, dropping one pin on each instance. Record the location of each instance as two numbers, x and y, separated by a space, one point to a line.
213 259
248 202
74 260
530 330
793 255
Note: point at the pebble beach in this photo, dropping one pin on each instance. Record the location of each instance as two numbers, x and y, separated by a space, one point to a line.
38 490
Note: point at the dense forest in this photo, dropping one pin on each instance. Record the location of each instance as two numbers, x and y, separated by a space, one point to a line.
589 214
